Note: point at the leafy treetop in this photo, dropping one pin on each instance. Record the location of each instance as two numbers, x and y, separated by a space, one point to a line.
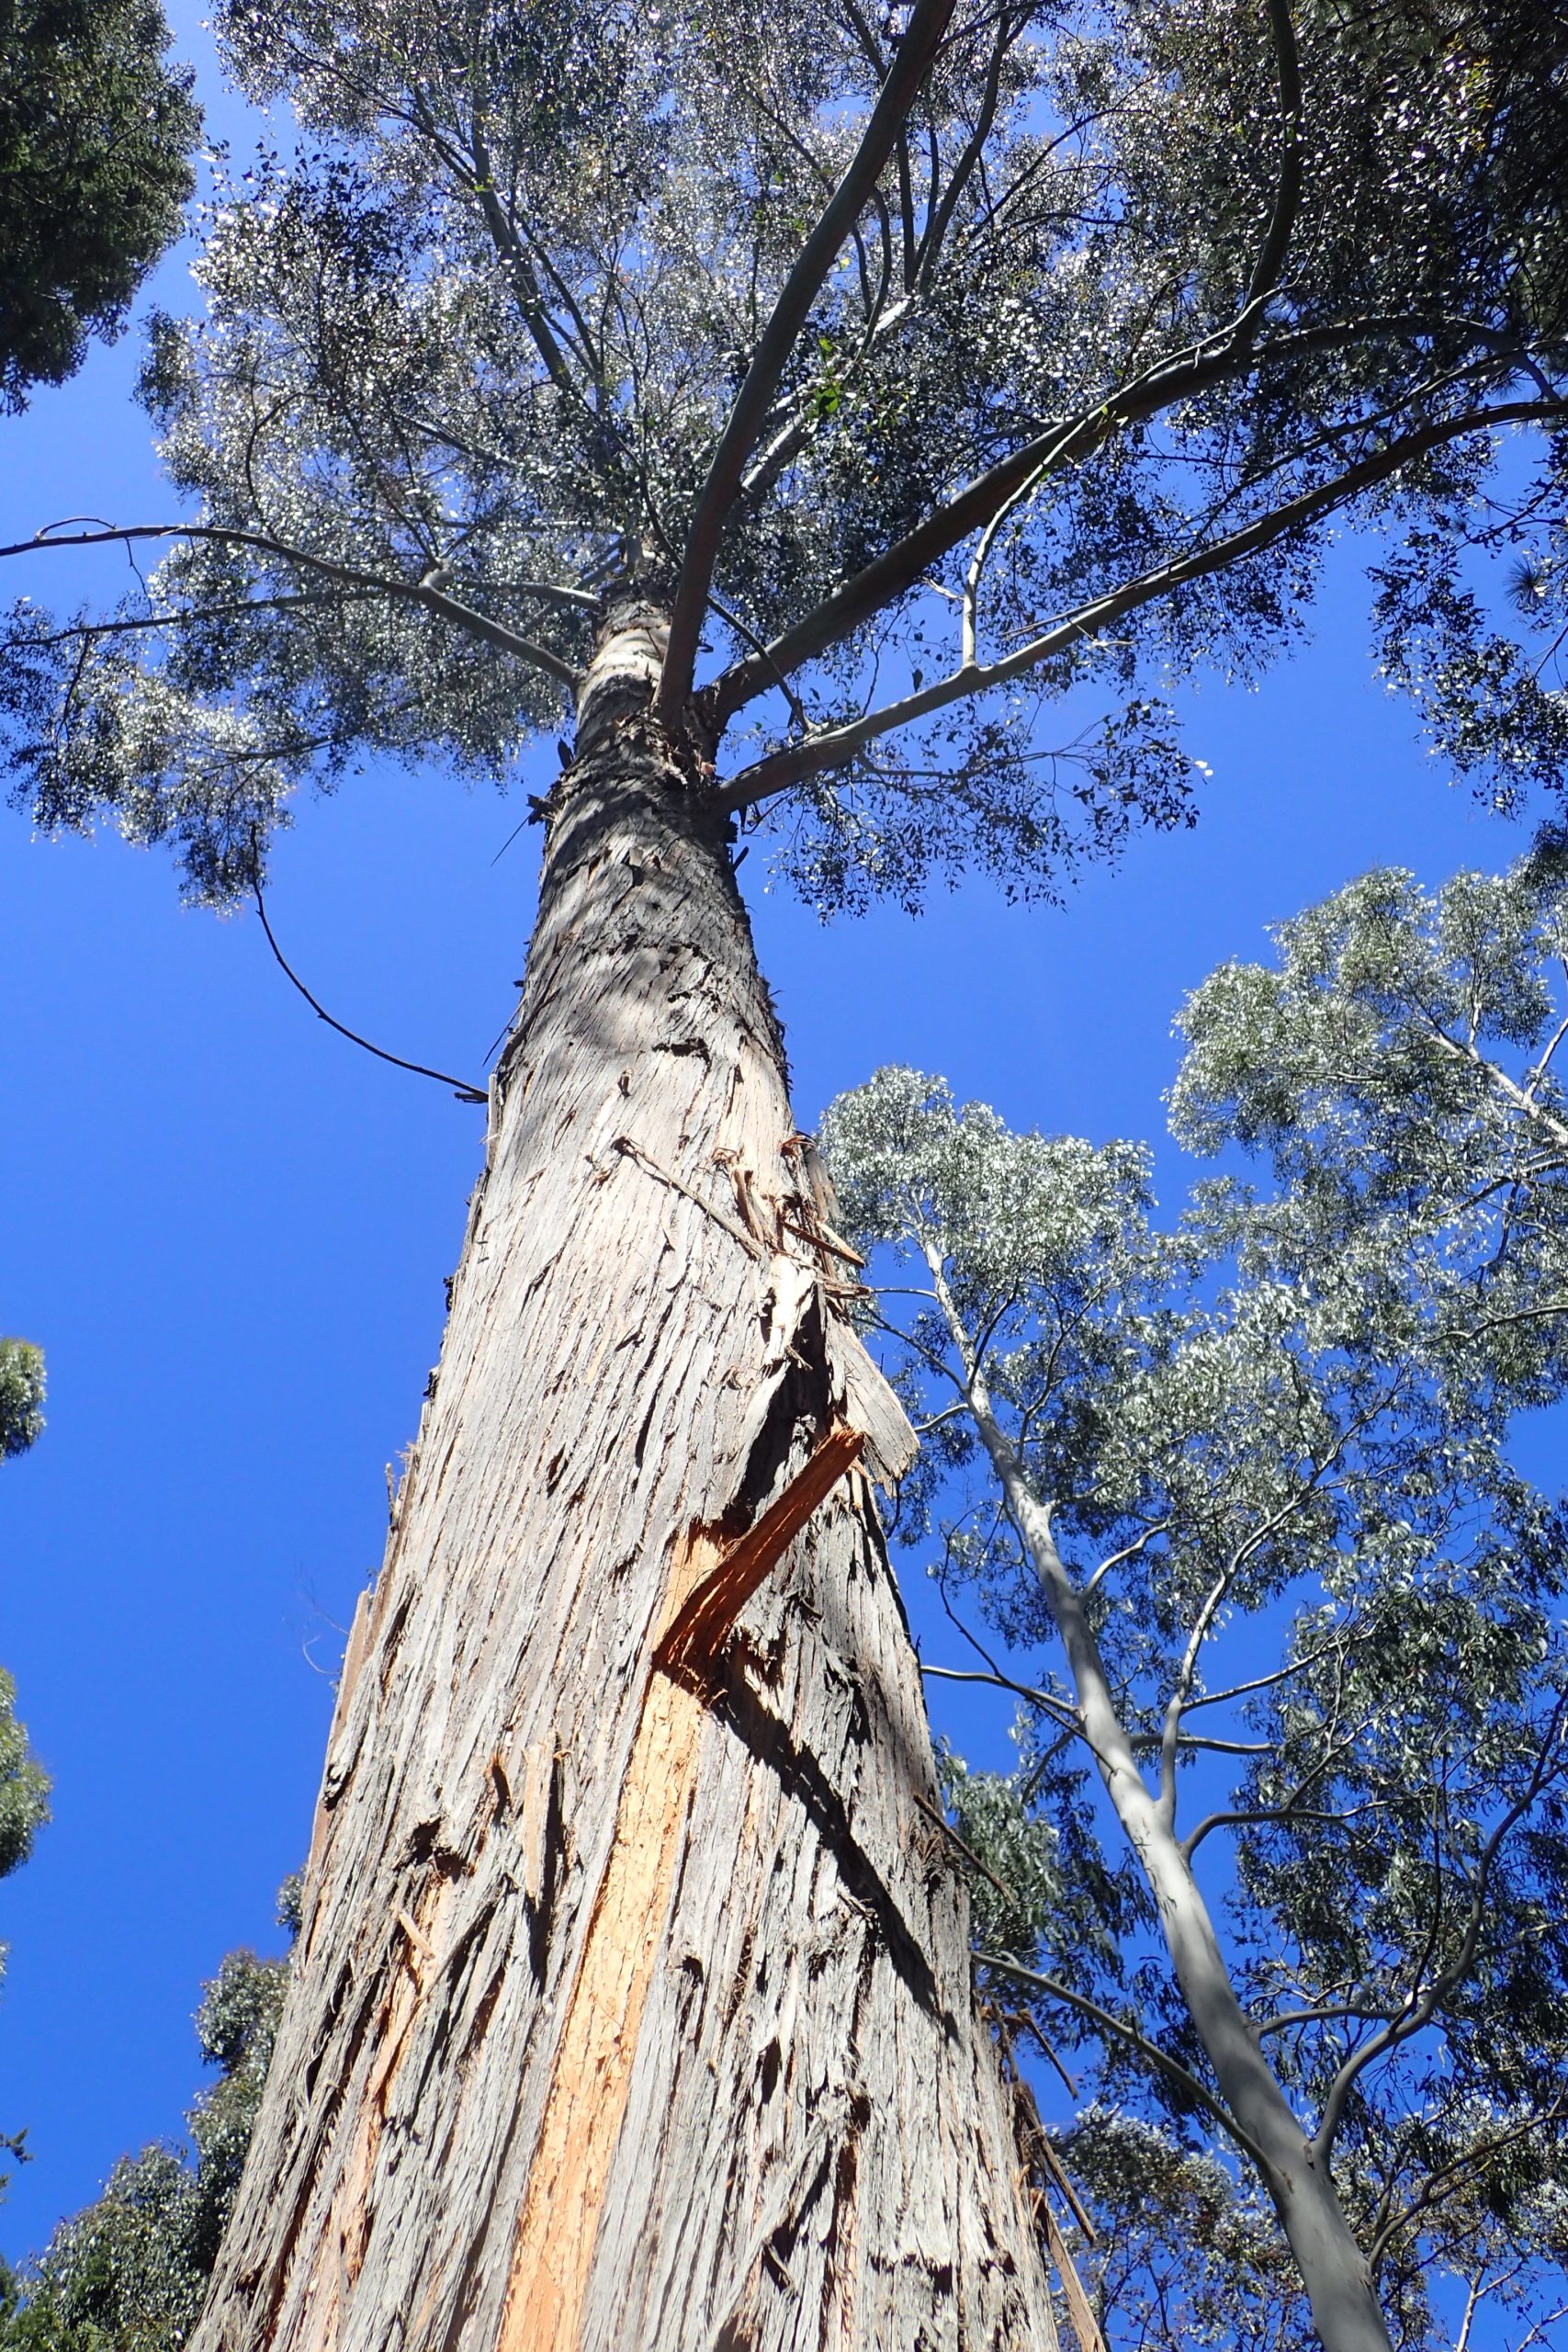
131 2270
95 135
21 1395
937 363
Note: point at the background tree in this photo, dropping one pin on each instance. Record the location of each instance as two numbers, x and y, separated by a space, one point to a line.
133 2269
573 345
1287 1415
96 137
24 1784
24 1789
21 1395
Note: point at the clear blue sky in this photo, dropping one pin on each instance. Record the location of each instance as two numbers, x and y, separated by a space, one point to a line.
229 1230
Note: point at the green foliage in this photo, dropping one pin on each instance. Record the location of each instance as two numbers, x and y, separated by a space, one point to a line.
24 1809
1275 1440
1144 294
24 1784
129 2273
21 1395
96 136
1183 2257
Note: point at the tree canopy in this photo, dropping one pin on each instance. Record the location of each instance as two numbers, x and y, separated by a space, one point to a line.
21 1395
95 138
24 1787
951 367
24 1783
1251 1476
132 2268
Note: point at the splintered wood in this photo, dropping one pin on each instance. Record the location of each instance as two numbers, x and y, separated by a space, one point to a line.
701 1614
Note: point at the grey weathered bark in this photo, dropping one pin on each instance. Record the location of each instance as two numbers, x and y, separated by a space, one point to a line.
1346 2316
633 2004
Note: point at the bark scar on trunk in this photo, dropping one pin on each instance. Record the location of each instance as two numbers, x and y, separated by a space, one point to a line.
553 2251
700 1618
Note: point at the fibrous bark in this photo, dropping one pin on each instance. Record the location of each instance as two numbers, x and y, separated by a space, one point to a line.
633 2004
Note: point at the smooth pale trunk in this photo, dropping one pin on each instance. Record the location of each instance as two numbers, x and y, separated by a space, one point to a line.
1346 2314
633 2005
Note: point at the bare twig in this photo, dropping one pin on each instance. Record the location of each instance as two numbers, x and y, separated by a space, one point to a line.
459 1086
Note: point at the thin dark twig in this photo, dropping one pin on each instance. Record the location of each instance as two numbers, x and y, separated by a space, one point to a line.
460 1087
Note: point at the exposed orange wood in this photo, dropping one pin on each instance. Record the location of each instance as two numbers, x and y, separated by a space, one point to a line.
553 2251
554 2247
705 1613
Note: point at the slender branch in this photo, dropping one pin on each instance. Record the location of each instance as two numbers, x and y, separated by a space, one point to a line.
1288 194
1516 1314
459 1086
1213 1821
907 70
1289 2020
1150 2051
1522 1099
1443 2178
1141 1742
420 591
940 215
1267 1682
1128 1552
1538 1074
1424 2001
138 624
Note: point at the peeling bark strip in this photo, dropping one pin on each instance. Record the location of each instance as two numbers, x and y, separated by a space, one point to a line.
703 1613
632 2009
1080 2310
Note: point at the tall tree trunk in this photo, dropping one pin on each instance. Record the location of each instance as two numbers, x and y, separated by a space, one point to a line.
633 2002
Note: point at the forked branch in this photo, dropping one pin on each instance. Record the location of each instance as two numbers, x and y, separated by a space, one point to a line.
749 415
836 746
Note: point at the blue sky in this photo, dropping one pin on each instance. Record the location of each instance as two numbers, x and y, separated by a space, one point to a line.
228 1229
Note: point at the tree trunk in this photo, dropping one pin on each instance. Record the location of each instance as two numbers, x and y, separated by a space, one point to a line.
633 2004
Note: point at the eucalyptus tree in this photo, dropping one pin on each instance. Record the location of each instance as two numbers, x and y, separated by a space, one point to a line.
24 1788
1250 1476
24 1784
24 1808
21 1395
803 399
96 140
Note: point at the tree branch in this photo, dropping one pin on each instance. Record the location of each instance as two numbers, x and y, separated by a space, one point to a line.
800 289
1150 2051
1197 368
1424 2001
779 770
419 592
459 1086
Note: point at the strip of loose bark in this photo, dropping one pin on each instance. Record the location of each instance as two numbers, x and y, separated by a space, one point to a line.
1079 2309
704 1615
